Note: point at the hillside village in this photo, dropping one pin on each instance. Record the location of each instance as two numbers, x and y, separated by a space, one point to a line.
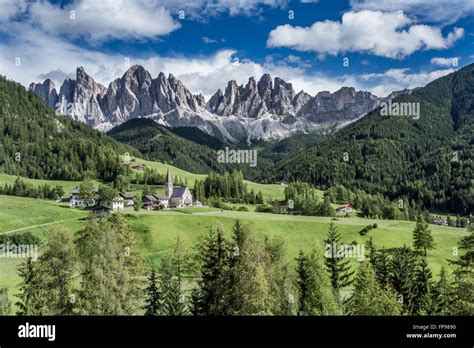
174 197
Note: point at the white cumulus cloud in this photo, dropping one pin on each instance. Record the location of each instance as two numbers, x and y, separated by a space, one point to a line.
386 34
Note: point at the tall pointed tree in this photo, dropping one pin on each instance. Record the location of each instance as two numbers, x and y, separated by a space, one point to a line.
30 301
316 296
422 289
208 297
338 267
442 293
368 297
402 275
422 238
55 268
153 305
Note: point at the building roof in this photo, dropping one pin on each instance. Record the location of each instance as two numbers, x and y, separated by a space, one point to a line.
127 195
151 198
161 197
178 192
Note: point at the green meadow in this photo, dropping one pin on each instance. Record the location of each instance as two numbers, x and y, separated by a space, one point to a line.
157 230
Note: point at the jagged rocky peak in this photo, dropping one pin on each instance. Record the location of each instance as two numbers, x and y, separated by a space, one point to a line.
46 91
264 108
255 99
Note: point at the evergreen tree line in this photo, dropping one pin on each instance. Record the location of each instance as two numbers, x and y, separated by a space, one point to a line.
100 272
228 187
242 276
23 189
35 143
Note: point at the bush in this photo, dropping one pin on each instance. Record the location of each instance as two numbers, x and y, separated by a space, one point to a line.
243 209
366 229
264 208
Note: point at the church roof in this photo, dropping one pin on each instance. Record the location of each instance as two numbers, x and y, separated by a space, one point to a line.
178 192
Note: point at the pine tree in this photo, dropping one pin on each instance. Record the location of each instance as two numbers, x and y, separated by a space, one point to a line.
372 252
29 301
171 288
55 271
314 286
153 297
208 297
442 293
382 268
302 280
105 284
422 289
463 292
133 270
402 273
422 238
337 266
5 304
259 198
369 298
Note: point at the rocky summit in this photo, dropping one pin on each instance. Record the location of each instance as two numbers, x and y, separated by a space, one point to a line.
264 109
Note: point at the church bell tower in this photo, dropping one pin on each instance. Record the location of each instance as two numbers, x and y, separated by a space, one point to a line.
169 184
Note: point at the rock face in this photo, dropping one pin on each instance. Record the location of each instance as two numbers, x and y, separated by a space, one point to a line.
46 91
265 109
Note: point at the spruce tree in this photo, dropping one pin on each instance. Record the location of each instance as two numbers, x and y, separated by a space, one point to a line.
30 303
368 297
422 289
442 293
105 283
337 266
422 238
171 288
302 280
382 268
463 292
208 298
316 296
55 270
402 275
153 301
133 270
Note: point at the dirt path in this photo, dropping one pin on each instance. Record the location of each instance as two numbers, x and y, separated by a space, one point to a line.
40 225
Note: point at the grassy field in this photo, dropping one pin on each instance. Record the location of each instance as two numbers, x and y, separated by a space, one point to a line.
18 214
298 232
67 185
157 230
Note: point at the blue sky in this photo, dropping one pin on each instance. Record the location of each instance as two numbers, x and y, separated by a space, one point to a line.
386 45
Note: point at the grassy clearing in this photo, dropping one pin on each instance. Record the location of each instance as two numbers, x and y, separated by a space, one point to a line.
157 230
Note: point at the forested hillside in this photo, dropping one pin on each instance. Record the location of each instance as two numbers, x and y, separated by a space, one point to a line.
36 143
429 159
158 143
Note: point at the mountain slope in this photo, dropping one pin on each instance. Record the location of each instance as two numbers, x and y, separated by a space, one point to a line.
36 143
395 154
158 143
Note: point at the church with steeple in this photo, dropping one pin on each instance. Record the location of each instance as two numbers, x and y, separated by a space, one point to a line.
174 197
178 197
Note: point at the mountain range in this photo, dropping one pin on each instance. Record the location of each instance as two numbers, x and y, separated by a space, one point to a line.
264 109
